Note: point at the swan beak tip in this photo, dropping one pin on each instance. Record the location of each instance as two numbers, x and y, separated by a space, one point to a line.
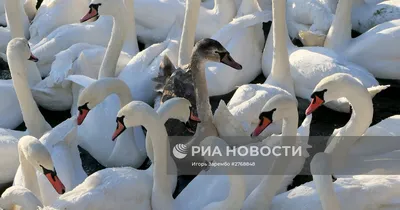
315 103
33 58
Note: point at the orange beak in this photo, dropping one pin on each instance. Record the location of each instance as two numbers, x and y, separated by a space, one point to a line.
315 103
120 128
56 182
33 58
194 117
259 129
91 14
82 115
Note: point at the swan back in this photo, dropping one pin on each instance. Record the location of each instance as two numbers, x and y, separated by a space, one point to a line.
17 195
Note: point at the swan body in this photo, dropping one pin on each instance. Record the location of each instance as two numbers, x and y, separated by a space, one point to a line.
97 33
367 14
345 193
9 154
19 196
379 43
53 14
67 63
153 28
308 65
345 143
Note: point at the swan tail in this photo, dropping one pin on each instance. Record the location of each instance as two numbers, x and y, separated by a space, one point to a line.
226 123
377 89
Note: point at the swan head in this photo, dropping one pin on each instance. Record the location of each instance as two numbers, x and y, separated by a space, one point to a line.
277 108
103 7
38 156
136 113
212 50
331 88
96 92
20 49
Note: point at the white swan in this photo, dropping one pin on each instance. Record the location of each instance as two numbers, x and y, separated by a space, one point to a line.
96 138
358 193
102 190
367 14
138 113
375 50
248 100
97 33
53 14
195 194
308 65
307 20
357 150
153 28
65 64
18 51
34 157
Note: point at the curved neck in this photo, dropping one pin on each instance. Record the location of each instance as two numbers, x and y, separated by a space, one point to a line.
237 188
339 35
197 66
359 122
271 183
280 71
362 113
131 44
107 68
189 31
17 20
161 196
248 7
324 185
206 127
34 120
28 173
25 201
321 169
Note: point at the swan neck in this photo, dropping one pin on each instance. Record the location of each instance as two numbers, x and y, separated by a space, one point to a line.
362 114
109 64
189 31
280 63
34 120
324 185
17 19
28 173
131 44
197 66
248 7
161 195
340 32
